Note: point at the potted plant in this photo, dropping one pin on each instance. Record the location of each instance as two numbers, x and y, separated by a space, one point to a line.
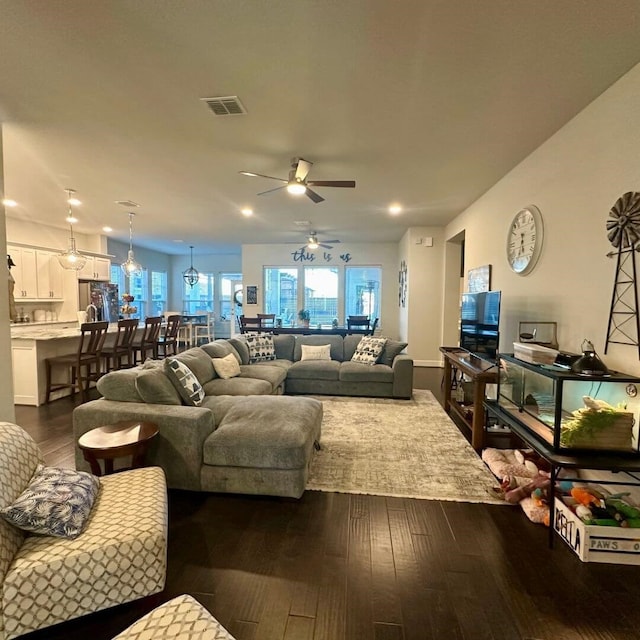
304 315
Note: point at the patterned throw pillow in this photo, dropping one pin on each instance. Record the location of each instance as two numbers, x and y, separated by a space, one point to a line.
315 352
261 347
184 381
368 350
57 502
226 367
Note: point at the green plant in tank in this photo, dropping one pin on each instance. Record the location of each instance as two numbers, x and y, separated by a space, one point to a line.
585 423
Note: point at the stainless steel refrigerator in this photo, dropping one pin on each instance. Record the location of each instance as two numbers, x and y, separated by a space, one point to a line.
100 300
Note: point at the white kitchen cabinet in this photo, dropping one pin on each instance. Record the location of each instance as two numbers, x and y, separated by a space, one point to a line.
50 275
25 370
96 268
25 272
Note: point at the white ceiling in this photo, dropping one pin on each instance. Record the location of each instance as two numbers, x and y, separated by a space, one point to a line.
423 102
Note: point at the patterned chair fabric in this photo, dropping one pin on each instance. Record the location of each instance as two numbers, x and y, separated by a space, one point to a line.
182 618
120 556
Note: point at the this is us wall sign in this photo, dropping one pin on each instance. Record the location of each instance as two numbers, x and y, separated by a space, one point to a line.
304 255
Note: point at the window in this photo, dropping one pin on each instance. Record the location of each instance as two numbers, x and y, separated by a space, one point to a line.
362 291
326 292
281 294
228 283
199 298
139 288
321 294
158 292
117 277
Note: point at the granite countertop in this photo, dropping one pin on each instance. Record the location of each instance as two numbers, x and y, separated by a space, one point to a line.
68 329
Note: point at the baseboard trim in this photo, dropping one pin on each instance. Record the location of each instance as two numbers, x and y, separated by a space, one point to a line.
427 363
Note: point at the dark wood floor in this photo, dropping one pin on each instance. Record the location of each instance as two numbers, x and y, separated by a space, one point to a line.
337 566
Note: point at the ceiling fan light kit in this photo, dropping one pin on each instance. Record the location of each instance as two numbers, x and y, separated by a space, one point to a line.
297 183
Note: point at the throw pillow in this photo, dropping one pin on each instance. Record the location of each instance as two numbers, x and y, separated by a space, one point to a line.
226 367
391 349
368 350
184 381
261 347
57 502
315 352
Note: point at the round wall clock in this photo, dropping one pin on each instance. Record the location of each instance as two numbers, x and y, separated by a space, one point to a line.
524 240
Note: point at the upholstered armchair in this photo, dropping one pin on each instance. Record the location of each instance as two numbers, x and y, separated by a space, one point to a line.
119 556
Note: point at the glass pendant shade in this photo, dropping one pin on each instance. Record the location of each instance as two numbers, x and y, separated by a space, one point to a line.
71 259
130 266
191 275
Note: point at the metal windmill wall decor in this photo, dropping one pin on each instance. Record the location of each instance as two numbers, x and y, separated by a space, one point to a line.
623 231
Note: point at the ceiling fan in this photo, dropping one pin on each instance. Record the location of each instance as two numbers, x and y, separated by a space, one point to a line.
297 182
314 243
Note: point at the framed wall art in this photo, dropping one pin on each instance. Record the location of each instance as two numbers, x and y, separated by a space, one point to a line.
479 279
252 294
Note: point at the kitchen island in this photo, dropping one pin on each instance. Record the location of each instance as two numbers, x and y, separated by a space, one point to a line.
31 344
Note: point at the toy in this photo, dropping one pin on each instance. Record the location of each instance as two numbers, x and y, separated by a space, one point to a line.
538 485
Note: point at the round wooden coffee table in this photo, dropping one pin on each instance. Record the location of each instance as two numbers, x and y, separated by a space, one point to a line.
125 438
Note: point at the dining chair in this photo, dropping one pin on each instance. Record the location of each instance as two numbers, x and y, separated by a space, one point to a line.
374 326
267 320
249 324
204 330
148 340
358 322
169 339
82 367
122 346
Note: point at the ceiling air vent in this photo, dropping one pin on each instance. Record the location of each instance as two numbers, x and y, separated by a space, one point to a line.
226 106
127 203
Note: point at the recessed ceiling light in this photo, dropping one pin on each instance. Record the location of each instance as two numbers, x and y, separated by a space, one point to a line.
107 229
178 241
71 219
395 209
8 202
246 212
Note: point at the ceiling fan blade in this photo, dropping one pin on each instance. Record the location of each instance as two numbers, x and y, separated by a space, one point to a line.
271 190
260 175
332 183
314 196
302 169
333 241
326 246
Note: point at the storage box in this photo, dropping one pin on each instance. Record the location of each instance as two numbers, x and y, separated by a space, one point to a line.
534 353
593 543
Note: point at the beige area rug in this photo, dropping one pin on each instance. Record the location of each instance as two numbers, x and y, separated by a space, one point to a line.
402 448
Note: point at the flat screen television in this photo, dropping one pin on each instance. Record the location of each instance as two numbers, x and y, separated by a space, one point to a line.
480 324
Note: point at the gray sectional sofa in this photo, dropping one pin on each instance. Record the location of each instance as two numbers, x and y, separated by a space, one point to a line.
245 436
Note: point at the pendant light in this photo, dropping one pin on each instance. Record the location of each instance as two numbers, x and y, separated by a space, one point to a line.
71 259
130 266
191 275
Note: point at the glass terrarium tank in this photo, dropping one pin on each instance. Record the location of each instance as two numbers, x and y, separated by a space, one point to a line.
570 412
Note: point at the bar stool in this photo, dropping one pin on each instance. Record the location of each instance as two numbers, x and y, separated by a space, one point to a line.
122 347
204 330
148 341
170 338
80 365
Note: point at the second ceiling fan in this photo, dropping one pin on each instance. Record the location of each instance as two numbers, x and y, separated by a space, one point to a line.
297 182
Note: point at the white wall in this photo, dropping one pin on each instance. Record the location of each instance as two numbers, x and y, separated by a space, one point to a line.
256 256
423 250
7 411
574 179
